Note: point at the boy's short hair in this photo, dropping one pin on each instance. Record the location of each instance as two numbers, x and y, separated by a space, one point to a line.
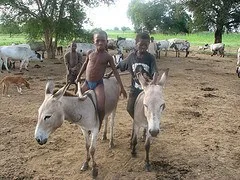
101 32
142 35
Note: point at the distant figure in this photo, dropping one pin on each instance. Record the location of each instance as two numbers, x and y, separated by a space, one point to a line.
59 50
152 48
73 61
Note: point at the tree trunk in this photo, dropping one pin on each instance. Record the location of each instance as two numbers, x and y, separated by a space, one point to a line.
49 45
218 35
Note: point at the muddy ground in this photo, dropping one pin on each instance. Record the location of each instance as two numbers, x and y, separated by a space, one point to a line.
199 138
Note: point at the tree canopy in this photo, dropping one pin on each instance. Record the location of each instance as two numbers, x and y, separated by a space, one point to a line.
49 19
215 15
164 16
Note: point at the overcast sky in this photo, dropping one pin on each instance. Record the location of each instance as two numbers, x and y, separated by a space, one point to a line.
108 17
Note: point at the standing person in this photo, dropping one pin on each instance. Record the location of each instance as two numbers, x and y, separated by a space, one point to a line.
152 48
95 65
73 62
140 60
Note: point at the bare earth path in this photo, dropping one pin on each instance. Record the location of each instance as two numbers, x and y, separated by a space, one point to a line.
199 136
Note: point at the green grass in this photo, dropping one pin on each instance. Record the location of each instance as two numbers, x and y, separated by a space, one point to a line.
6 40
231 40
197 39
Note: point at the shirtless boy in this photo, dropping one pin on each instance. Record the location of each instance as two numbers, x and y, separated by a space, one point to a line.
73 63
95 65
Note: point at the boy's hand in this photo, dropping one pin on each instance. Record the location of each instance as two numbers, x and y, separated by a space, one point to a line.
108 75
78 79
124 93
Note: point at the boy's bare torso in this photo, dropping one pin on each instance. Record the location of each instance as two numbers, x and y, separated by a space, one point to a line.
97 65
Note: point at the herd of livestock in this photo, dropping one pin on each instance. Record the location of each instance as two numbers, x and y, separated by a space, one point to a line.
58 107
27 52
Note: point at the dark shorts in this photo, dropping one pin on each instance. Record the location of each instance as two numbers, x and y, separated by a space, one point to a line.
93 84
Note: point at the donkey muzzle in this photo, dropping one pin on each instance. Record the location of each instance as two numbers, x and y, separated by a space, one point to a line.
41 141
154 132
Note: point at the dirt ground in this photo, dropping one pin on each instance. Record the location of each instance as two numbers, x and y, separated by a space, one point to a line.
199 136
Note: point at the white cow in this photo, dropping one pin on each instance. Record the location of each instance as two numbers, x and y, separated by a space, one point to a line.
215 48
126 44
83 48
238 57
180 45
117 58
17 53
22 45
163 45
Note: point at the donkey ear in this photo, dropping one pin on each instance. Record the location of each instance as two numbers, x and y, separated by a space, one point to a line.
49 87
164 76
61 91
142 80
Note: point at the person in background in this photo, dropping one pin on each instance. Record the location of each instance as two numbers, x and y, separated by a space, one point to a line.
152 48
73 62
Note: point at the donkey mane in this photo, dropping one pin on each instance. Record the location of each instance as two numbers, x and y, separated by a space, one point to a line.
66 93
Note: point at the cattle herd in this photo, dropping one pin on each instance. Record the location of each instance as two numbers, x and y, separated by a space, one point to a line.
58 102
26 52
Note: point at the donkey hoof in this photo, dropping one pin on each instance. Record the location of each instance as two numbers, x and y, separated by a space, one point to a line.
111 145
84 166
104 137
94 173
147 167
27 70
134 154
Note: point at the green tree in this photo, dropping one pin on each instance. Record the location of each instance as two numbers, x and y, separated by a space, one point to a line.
124 29
215 15
163 15
10 27
50 20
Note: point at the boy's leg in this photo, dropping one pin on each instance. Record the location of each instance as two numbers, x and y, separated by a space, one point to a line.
131 101
99 90
84 87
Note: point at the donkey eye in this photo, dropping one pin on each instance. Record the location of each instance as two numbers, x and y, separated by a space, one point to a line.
46 118
163 106
145 105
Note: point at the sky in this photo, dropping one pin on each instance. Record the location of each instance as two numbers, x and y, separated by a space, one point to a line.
108 17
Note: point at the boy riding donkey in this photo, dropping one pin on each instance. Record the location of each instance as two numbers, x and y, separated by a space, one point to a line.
95 65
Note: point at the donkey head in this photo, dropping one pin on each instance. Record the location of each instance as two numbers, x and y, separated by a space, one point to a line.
50 113
153 102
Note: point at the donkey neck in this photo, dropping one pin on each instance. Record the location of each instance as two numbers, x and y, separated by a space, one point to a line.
75 109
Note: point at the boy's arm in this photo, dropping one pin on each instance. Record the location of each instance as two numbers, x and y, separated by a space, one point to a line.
122 65
114 70
66 61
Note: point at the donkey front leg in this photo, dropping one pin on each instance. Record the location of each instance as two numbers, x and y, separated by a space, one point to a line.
86 137
92 152
111 144
104 137
134 140
147 148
